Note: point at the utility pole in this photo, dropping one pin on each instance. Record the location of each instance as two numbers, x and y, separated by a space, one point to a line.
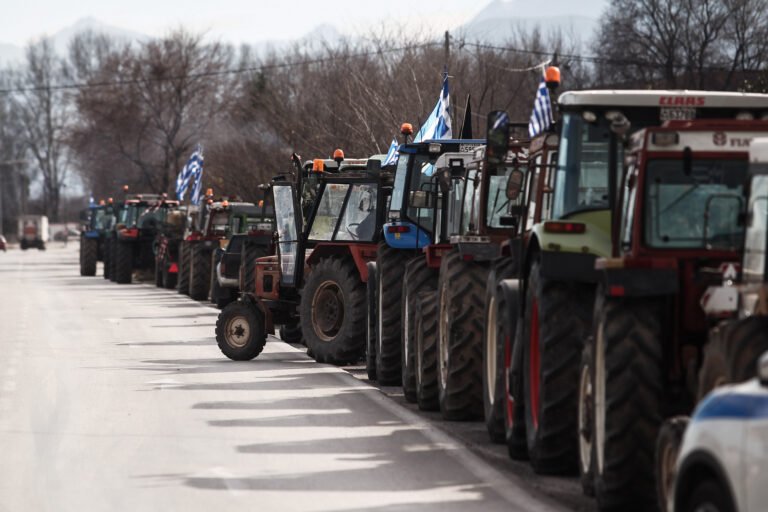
447 49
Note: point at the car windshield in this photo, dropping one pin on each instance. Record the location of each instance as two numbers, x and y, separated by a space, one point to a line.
698 209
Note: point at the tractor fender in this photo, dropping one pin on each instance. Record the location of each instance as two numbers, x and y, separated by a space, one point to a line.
568 257
361 254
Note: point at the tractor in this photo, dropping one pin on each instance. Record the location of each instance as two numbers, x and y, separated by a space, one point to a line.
97 221
167 244
318 275
137 227
407 231
675 230
554 297
251 231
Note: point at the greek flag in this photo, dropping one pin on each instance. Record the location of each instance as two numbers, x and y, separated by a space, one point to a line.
438 124
191 169
541 117
392 154
198 181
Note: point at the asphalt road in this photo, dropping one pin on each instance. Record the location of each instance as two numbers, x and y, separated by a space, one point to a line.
115 397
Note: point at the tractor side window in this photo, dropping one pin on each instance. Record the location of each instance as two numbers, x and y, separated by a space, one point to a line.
236 224
469 194
359 220
546 197
628 207
533 183
754 246
454 207
328 211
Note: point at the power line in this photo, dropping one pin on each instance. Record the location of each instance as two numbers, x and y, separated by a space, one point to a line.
222 72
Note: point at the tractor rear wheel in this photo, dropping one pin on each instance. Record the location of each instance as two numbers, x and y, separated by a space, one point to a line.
557 318
89 255
240 331
731 354
251 252
158 273
418 278
332 312
370 349
628 396
124 262
182 280
389 264
493 351
107 270
427 395
461 292
199 272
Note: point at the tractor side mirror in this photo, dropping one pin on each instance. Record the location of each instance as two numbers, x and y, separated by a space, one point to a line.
497 137
422 199
762 369
515 184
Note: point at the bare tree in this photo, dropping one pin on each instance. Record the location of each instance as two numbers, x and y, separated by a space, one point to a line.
44 111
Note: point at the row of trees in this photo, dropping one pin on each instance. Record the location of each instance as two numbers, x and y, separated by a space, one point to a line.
122 113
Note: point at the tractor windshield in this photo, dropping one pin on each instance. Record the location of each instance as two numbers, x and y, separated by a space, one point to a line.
498 204
328 211
696 209
131 214
359 220
220 222
420 169
99 219
582 168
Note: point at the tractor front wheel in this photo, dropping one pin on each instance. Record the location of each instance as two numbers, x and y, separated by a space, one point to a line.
199 272
240 331
124 262
89 255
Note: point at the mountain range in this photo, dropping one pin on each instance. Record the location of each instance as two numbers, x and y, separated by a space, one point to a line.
495 24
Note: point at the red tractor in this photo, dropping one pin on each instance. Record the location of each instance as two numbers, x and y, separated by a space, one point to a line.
319 273
675 229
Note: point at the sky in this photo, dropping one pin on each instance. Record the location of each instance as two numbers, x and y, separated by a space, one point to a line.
240 21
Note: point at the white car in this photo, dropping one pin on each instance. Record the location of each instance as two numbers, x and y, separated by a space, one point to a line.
723 460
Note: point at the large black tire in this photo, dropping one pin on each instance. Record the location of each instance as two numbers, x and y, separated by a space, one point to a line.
158 273
493 351
629 382
107 257
418 278
389 264
199 272
291 333
124 262
240 331
370 335
585 421
461 292
731 354
89 256
113 260
514 403
332 312
427 395
23 244
251 252
668 445
557 318
182 280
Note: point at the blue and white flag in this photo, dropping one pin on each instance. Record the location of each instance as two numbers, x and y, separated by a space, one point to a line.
189 171
392 154
438 124
198 180
541 117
